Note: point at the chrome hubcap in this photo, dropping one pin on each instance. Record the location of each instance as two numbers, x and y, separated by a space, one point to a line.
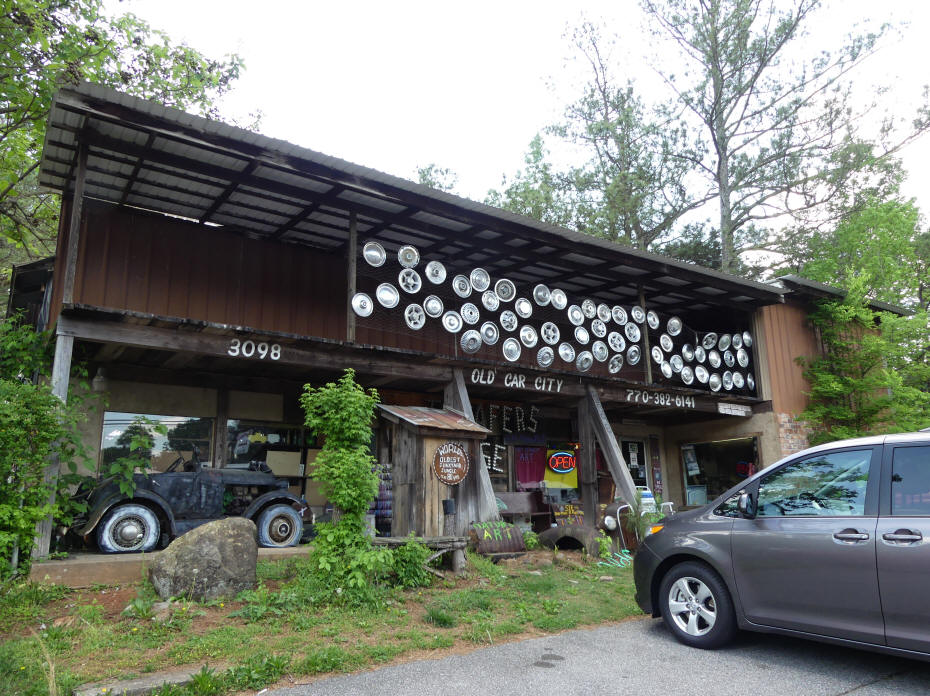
280 530
129 532
692 606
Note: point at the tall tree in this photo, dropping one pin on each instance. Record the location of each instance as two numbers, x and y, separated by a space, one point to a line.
538 190
634 187
780 128
46 44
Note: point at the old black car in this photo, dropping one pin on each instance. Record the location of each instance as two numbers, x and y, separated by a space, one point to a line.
165 505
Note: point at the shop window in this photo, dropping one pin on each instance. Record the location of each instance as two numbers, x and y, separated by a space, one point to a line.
184 436
264 447
712 468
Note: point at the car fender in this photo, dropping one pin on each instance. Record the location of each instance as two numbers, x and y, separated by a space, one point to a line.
265 499
107 503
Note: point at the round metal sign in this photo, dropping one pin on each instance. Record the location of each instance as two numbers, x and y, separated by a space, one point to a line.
450 463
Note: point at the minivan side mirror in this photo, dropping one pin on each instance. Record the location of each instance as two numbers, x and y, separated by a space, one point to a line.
747 505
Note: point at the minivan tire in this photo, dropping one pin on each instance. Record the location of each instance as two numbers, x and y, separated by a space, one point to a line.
697 606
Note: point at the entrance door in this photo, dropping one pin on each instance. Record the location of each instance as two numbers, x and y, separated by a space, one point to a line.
807 561
904 548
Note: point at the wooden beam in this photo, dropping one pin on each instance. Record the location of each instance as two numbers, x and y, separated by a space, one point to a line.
351 262
61 373
587 464
218 345
74 227
604 434
474 497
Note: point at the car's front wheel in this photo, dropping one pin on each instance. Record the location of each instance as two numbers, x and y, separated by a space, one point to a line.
127 528
280 526
696 606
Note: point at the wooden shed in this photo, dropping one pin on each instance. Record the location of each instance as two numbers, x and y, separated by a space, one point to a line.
417 442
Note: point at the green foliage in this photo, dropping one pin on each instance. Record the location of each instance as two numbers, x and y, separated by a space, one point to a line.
530 540
408 563
637 520
30 430
855 388
341 414
46 44
439 616
603 545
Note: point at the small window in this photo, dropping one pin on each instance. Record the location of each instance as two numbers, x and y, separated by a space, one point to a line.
829 484
910 481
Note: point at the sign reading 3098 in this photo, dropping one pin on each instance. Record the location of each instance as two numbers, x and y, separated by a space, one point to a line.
260 350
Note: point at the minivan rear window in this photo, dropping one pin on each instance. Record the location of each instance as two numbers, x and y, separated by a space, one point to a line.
910 481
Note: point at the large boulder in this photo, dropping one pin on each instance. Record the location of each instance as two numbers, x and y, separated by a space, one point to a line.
216 560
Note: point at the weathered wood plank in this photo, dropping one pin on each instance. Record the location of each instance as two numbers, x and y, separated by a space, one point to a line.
609 447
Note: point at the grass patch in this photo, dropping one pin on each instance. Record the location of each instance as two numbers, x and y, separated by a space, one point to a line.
284 626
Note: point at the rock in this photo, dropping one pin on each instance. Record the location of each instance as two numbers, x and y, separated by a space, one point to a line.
606 578
214 561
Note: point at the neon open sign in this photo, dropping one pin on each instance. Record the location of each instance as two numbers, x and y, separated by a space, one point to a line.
562 462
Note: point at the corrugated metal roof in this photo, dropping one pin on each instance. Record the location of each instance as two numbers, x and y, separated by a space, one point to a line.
812 287
125 129
438 418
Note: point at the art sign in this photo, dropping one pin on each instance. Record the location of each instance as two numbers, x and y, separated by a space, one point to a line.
450 463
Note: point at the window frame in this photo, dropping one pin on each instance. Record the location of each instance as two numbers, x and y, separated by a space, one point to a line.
887 471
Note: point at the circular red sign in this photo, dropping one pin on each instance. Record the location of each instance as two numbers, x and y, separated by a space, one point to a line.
562 462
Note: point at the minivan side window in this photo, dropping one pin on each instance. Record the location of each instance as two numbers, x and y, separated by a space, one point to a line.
827 484
910 481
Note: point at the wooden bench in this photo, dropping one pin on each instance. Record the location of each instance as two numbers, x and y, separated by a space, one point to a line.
440 546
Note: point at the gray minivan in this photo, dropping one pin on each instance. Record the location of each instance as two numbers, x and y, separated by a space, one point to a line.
831 544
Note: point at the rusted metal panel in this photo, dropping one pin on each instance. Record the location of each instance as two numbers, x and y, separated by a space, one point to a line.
435 418
496 537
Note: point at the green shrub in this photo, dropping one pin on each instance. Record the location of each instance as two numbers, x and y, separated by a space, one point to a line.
408 563
530 540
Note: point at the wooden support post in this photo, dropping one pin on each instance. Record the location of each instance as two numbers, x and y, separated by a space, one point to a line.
646 346
626 488
61 371
587 466
351 280
74 226
219 428
474 497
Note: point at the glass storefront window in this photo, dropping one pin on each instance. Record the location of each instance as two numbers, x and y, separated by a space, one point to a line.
248 443
710 468
183 435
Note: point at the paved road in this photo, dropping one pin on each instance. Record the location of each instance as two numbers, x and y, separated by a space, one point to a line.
640 658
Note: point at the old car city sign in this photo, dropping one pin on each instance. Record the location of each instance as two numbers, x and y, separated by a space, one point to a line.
450 463
516 380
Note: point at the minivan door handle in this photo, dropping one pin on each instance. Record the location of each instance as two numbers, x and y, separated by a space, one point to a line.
903 536
851 535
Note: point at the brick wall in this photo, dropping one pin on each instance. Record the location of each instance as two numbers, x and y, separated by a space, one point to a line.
792 434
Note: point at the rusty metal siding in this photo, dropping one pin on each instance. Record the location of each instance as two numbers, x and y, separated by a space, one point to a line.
789 336
143 263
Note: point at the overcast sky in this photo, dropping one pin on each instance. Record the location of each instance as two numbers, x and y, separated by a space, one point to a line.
397 85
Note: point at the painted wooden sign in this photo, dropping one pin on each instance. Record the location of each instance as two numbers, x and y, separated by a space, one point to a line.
450 463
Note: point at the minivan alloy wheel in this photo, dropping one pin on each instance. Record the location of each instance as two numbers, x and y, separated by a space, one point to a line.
692 606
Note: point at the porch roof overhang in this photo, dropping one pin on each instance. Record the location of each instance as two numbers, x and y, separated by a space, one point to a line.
144 155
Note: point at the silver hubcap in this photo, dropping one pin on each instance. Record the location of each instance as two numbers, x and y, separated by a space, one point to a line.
692 606
129 532
280 530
